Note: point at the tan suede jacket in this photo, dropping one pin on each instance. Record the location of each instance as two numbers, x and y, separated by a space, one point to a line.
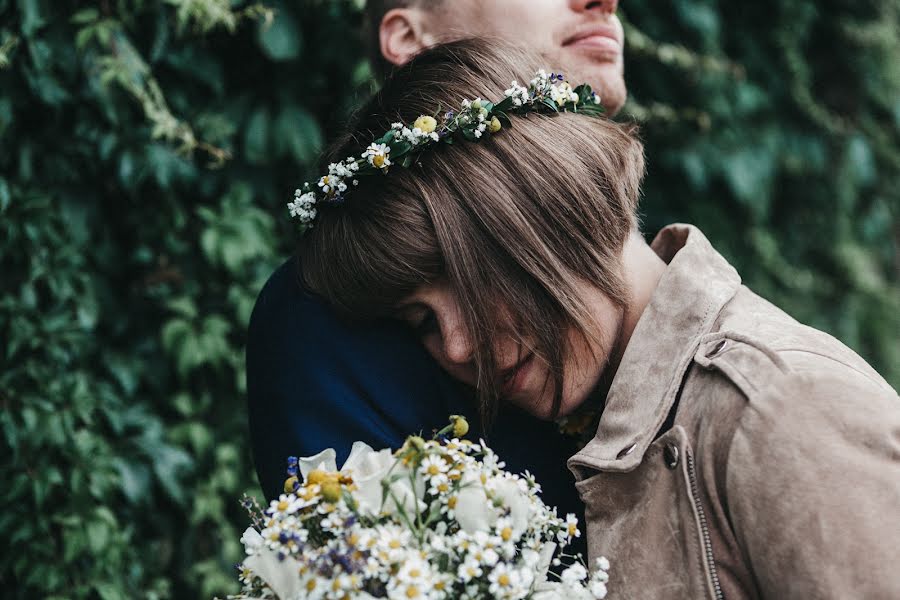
780 474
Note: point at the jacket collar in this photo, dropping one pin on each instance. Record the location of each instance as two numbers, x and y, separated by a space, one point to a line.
692 291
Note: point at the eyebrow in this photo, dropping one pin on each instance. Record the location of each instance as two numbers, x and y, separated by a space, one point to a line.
411 304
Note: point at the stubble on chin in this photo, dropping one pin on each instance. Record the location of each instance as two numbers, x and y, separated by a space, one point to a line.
606 78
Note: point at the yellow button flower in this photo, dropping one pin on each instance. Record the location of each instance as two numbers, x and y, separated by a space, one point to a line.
460 425
426 124
331 491
495 125
289 484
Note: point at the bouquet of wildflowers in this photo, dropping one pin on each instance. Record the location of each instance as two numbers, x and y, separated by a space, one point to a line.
436 519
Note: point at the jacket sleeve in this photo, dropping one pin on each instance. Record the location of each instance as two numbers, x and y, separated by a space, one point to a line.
313 382
813 487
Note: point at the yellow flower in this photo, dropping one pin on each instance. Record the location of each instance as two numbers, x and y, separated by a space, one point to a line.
331 491
316 476
426 124
460 425
289 484
494 125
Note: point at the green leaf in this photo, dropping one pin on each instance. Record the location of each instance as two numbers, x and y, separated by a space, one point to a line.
84 16
399 148
297 133
5 195
862 161
503 118
503 106
282 39
32 16
550 104
256 137
169 465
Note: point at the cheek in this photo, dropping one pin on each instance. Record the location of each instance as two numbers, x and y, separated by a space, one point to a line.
515 20
591 361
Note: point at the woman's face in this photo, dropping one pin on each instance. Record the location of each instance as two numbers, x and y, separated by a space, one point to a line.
435 314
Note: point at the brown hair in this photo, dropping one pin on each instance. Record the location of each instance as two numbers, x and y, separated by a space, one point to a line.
512 223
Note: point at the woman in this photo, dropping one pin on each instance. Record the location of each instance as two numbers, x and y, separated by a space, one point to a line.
739 454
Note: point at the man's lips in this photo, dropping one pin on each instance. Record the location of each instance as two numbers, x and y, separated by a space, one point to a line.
596 38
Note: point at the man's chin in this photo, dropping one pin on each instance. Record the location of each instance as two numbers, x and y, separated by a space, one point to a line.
606 78
608 82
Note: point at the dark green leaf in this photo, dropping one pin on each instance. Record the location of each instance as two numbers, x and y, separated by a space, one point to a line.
282 40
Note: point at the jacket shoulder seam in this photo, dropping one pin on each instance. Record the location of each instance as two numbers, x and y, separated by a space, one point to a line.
832 359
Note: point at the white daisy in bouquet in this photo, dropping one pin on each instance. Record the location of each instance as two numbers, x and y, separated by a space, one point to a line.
436 519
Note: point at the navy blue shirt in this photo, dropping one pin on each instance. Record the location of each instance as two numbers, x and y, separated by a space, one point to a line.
316 382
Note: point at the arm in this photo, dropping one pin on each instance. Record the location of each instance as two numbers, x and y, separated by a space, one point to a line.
813 488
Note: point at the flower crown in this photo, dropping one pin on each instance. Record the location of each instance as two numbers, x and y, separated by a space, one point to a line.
402 145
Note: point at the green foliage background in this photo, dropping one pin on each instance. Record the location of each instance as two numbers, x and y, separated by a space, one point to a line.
147 149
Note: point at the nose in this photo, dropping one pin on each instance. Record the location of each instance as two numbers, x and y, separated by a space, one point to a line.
605 6
457 341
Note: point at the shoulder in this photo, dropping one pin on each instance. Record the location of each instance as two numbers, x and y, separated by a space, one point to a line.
809 464
779 397
762 349
283 304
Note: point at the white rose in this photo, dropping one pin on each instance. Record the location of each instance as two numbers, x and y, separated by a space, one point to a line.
542 562
324 461
282 576
561 591
368 469
512 496
251 540
474 511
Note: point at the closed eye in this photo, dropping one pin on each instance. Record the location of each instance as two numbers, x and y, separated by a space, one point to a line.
425 324
419 317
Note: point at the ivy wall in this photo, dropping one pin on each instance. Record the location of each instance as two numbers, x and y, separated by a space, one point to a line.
147 148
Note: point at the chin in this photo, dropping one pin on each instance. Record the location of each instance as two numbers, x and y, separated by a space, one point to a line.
607 79
542 407
611 88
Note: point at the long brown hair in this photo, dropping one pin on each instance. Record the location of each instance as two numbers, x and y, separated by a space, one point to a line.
512 223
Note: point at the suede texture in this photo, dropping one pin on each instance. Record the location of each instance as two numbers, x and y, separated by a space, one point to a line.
780 477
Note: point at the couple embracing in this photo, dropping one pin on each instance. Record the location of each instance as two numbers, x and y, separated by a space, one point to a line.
731 452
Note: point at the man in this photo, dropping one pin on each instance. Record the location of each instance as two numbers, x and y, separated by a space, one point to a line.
315 382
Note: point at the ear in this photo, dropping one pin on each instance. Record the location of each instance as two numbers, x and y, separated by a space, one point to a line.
402 35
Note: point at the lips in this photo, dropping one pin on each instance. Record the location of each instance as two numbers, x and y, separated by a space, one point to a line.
596 38
514 378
